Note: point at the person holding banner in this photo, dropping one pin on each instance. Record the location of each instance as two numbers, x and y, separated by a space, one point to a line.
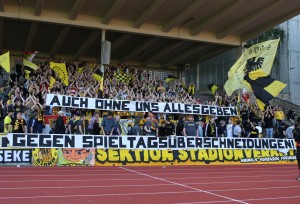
191 127
107 124
80 128
60 127
153 125
117 130
93 120
211 129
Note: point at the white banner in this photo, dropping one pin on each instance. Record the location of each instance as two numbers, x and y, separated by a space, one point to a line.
144 142
138 106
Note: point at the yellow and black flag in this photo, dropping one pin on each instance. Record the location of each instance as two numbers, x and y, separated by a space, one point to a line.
125 78
52 79
98 75
61 70
5 62
213 88
252 71
170 78
264 88
29 67
80 67
259 56
191 89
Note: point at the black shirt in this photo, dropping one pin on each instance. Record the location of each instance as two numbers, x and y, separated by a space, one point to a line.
254 133
18 126
71 122
170 129
179 128
79 123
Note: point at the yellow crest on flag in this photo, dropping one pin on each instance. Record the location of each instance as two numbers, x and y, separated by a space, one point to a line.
259 56
61 70
5 62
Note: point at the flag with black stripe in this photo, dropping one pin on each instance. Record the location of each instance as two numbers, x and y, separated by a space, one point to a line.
62 72
170 78
52 79
5 62
98 75
263 86
213 88
125 78
29 67
80 67
191 89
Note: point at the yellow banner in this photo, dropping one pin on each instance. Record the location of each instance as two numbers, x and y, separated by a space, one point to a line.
118 157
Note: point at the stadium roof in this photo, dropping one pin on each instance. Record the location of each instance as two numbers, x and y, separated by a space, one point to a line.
161 33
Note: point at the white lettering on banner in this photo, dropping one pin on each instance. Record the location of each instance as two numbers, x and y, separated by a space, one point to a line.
138 106
15 155
143 142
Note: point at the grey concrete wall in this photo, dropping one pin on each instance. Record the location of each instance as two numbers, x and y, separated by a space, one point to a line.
213 70
289 70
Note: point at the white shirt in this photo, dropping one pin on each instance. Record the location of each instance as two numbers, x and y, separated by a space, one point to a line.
229 130
289 132
237 130
259 129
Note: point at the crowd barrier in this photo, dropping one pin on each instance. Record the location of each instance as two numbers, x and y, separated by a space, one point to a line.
78 150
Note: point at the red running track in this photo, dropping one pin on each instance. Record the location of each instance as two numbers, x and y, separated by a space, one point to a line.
171 184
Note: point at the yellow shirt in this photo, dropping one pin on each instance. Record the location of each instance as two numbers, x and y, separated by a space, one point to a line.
279 115
7 121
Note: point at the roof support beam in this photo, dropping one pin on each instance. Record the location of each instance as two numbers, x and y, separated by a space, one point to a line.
140 48
38 7
177 19
76 9
216 16
248 19
30 36
271 24
60 39
187 53
1 36
112 11
162 52
1 5
93 36
152 8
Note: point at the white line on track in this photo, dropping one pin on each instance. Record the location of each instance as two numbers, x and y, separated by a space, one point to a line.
133 179
111 186
96 195
178 184
120 174
250 199
142 185
152 168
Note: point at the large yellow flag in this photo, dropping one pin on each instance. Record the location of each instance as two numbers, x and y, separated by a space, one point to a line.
5 62
61 70
259 56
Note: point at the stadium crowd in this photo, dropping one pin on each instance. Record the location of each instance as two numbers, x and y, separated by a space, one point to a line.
22 103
